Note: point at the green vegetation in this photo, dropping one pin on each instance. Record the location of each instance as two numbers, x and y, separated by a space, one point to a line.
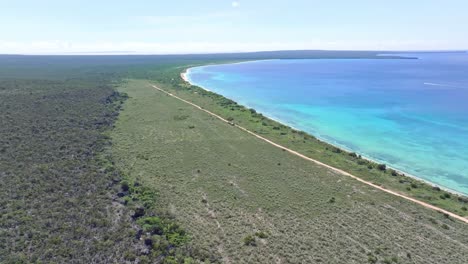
165 183
60 197
55 198
163 237
226 189
249 240
309 145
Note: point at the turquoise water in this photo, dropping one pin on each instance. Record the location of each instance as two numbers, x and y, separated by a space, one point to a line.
409 114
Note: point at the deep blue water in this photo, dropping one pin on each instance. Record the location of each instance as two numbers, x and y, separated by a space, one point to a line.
409 114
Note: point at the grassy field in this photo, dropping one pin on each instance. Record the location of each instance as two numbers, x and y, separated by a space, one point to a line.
170 80
244 201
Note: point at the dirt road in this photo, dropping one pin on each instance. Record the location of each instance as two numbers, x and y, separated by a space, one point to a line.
463 219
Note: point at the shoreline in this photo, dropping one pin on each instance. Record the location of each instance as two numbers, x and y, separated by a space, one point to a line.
184 76
184 73
436 208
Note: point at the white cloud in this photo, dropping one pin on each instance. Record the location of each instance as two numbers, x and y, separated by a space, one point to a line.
235 4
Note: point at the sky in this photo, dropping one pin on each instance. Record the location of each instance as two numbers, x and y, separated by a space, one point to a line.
207 26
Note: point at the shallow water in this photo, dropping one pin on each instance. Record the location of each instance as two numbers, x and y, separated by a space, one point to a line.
409 114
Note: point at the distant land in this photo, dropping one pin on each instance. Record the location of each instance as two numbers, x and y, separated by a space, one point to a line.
283 54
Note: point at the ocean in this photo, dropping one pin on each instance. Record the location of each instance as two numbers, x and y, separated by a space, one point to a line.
409 114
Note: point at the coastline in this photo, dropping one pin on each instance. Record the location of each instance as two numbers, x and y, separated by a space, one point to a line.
184 75
436 208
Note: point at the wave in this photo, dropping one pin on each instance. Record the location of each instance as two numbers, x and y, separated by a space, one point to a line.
441 85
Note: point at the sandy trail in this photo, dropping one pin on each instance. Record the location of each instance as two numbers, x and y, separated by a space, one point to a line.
463 219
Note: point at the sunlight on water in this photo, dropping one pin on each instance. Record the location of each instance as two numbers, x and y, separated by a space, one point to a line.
409 114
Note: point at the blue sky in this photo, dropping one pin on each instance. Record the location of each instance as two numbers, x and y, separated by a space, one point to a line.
183 26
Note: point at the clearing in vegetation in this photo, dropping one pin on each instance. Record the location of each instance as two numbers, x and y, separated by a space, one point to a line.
243 200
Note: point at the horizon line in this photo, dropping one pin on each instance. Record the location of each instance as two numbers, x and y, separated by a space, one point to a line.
138 53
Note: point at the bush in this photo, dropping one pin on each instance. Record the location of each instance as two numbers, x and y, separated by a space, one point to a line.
336 150
361 162
372 259
445 196
382 167
170 260
261 234
139 212
151 224
125 186
249 240
129 256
